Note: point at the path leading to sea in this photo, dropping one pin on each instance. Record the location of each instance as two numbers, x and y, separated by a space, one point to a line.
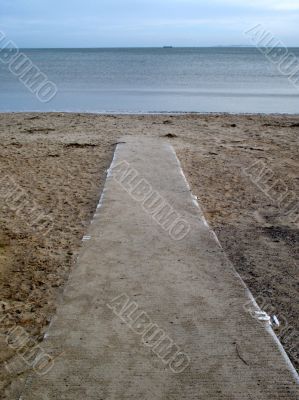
153 309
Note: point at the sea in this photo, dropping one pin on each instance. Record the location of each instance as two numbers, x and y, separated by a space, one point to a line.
148 80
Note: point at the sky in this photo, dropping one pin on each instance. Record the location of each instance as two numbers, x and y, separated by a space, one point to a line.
134 23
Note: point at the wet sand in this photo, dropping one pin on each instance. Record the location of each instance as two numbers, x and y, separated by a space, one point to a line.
58 161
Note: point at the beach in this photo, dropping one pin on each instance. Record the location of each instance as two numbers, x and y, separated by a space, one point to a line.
242 168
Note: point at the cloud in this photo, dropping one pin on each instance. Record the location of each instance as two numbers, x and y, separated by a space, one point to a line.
128 22
274 5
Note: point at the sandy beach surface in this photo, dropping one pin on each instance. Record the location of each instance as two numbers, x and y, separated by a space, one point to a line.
243 169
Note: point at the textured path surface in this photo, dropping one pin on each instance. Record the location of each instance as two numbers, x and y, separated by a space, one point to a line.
153 309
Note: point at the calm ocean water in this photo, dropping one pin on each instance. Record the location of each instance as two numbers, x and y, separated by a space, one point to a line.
155 80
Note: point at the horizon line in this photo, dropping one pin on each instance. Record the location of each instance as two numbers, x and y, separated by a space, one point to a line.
165 47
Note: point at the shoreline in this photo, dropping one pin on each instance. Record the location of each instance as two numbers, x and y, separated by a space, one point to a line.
174 113
60 161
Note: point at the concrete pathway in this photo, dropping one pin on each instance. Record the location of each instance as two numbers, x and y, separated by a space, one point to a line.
153 309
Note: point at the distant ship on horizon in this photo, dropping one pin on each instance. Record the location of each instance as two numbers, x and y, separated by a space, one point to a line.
167 47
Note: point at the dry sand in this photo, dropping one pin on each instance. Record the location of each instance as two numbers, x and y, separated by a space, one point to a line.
59 160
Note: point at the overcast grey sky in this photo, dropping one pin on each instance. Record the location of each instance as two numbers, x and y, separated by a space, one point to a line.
105 23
